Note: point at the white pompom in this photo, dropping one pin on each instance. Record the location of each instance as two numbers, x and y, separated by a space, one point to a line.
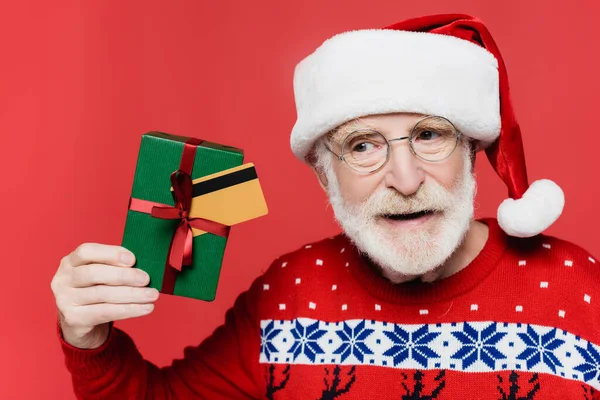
540 207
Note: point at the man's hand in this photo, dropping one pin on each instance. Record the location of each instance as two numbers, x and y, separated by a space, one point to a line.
95 285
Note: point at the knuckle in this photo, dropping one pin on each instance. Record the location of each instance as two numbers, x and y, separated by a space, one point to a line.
76 276
55 285
59 284
135 309
81 276
124 275
62 301
95 294
135 293
124 310
81 251
70 318
64 262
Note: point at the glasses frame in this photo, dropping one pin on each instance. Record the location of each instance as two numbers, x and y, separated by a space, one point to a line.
340 157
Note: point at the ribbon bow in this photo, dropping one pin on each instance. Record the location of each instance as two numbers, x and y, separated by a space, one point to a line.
181 247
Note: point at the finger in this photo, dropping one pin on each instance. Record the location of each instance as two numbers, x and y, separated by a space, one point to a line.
96 314
114 295
89 253
101 274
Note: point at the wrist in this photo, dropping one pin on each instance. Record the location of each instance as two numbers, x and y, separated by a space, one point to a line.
84 339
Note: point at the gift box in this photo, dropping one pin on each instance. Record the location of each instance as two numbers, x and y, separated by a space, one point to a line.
186 195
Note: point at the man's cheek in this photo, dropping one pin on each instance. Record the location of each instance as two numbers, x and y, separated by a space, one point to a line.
356 194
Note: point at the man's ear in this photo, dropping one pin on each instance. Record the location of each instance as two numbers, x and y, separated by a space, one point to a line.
312 161
320 176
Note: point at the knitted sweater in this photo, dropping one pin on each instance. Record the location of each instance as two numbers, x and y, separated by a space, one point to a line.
522 321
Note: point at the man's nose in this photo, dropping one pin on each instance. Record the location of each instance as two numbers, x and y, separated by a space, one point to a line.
404 169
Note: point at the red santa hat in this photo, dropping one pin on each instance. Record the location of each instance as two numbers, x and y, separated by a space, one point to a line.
445 65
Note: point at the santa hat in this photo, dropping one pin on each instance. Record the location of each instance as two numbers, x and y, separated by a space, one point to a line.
444 65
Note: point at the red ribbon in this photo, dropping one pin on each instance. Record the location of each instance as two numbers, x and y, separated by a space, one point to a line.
180 251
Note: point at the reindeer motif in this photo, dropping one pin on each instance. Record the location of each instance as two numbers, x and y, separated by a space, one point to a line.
514 388
417 389
593 393
271 386
333 390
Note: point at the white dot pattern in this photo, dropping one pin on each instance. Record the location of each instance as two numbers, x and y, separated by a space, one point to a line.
337 299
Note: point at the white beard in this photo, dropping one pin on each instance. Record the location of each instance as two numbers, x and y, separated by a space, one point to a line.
407 253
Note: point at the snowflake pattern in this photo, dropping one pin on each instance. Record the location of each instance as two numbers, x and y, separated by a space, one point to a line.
267 334
305 340
479 345
591 367
353 341
540 348
411 345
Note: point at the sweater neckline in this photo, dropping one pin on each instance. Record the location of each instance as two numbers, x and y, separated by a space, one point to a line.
417 292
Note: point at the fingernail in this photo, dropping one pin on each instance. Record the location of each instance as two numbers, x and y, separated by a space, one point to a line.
143 277
147 307
127 258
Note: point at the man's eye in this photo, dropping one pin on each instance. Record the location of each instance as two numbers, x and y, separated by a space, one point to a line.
427 135
362 147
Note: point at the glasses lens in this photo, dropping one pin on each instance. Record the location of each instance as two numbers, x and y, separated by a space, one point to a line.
434 138
365 150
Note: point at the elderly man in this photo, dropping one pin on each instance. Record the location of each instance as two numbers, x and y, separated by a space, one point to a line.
416 299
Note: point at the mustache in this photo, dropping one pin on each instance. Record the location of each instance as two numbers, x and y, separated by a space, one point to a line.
431 196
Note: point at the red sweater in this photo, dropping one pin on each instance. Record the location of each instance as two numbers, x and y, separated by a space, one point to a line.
522 321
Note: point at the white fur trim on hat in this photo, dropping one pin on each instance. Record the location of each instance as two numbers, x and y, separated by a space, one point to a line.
534 212
367 72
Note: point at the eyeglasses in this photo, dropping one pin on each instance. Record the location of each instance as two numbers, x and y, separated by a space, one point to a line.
432 139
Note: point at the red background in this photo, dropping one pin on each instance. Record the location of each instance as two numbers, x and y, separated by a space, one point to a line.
80 81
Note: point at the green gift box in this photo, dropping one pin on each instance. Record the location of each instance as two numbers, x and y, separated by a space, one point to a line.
150 238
